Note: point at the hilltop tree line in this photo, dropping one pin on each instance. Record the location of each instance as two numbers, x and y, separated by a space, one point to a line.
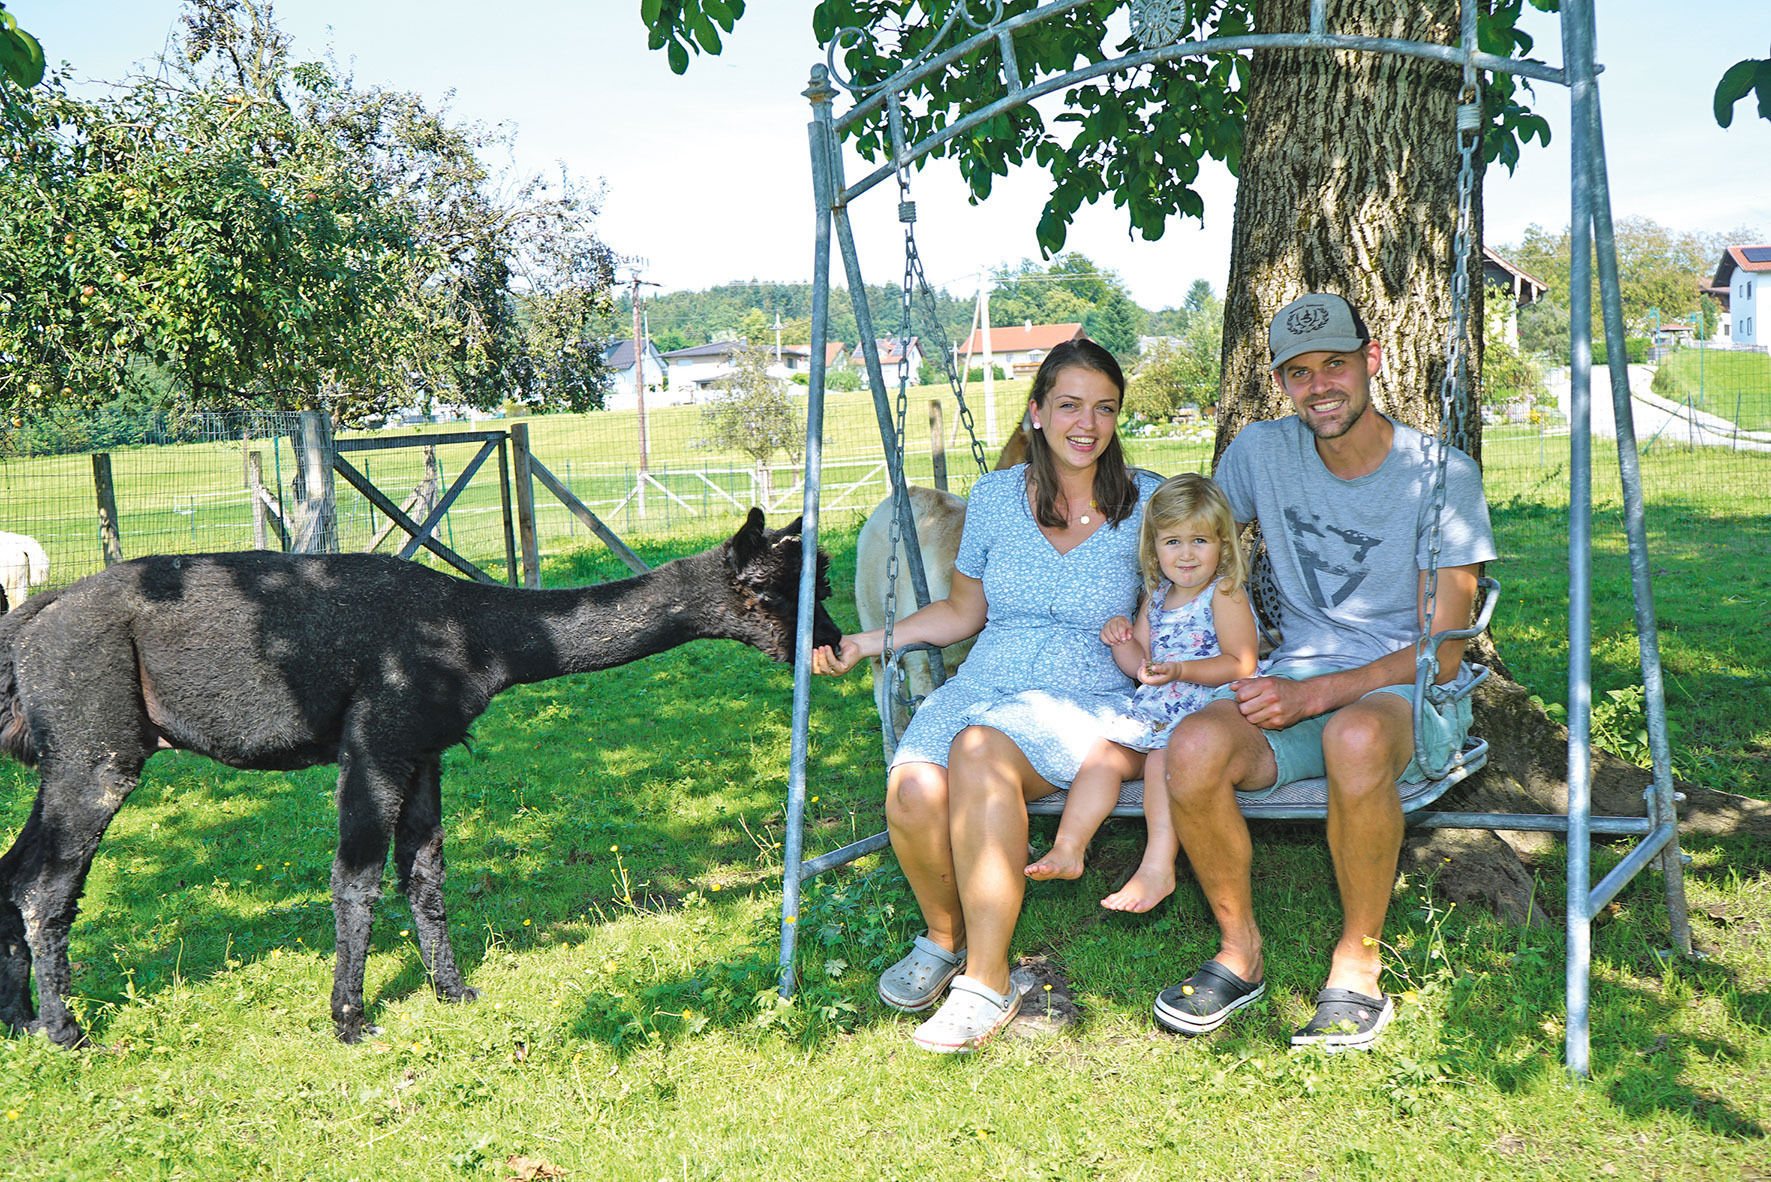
1069 289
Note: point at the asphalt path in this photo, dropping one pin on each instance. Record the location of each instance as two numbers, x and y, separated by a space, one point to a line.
1657 418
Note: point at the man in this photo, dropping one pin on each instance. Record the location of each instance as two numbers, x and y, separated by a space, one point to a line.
1343 496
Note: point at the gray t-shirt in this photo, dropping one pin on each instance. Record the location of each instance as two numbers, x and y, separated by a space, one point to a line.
1347 554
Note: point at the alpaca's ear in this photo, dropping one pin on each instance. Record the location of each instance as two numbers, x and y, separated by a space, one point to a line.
792 528
748 543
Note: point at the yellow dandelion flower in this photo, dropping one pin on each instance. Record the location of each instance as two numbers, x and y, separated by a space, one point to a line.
404 932
526 923
1370 943
1186 991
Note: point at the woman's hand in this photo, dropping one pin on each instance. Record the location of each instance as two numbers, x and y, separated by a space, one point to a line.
1116 631
835 663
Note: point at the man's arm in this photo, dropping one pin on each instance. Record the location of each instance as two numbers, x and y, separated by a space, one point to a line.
1274 703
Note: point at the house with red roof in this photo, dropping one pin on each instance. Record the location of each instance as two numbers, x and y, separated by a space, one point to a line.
1020 348
1743 283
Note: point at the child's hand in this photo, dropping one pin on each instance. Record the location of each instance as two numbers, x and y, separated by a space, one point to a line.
1116 631
1159 672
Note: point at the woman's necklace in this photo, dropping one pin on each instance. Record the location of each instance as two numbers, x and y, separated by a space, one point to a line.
1085 519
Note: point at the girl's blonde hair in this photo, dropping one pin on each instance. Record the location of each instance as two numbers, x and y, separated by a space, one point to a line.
1186 498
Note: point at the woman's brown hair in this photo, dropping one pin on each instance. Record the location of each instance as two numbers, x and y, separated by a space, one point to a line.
1116 491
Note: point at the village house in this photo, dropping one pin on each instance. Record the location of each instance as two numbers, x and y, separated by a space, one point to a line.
1019 348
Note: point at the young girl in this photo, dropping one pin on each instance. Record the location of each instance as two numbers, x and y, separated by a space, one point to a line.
1194 632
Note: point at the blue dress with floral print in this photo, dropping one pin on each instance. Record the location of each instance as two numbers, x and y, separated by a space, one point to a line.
1038 672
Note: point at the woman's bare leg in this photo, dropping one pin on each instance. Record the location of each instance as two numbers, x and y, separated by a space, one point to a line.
1093 794
990 782
1154 879
918 820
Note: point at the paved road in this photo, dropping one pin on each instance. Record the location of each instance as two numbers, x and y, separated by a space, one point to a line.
1656 417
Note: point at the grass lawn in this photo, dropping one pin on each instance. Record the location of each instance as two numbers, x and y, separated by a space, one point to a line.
614 891
1736 386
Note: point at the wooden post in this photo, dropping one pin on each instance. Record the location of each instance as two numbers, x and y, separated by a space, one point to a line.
261 539
109 538
525 480
937 445
316 527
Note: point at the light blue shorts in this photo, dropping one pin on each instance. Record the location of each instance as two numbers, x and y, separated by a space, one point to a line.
1297 749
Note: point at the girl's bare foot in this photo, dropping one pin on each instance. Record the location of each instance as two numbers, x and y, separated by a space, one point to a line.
1063 860
1148 887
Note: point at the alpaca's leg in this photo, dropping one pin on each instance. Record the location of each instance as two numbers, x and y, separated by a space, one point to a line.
45 872
418 856
16 1011
369 800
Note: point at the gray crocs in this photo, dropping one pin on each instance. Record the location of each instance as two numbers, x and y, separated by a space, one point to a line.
916 982
973 1014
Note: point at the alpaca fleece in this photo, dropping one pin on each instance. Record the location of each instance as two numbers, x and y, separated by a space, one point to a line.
273 661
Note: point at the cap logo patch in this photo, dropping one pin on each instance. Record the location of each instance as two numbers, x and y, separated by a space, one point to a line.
1306 320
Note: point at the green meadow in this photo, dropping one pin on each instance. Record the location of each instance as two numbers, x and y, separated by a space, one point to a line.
614 893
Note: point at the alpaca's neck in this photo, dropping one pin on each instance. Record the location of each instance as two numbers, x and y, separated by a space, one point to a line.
537 635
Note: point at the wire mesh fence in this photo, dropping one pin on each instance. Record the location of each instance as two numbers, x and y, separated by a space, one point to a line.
191 491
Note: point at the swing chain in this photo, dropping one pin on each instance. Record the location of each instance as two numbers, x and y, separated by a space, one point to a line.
900 482
1455 381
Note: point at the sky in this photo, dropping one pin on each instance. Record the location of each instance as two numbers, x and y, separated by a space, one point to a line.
706 179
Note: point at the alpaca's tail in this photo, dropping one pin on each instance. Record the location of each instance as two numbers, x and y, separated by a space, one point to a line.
15 732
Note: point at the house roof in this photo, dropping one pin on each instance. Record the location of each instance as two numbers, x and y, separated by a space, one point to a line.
833 351
1526 288
620 354
712 349
1021 338
1746 258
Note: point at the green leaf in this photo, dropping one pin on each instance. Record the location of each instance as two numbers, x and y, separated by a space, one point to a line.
1733 87
1762 83
679 57
649 10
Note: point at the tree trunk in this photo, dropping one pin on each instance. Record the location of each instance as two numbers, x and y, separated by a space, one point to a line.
1349 184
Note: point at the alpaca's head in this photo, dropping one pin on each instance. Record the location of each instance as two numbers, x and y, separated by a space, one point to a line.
764 565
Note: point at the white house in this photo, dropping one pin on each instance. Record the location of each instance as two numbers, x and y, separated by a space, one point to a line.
1742 283
1518 284
798 358
618 360
890 352
700 367
1020 348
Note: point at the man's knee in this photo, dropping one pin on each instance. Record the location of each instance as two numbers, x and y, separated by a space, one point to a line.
1368 744
1201 757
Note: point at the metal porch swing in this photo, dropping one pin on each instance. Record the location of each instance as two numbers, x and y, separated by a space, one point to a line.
1591 223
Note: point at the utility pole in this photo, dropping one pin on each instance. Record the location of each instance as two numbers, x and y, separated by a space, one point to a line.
777 338
639 380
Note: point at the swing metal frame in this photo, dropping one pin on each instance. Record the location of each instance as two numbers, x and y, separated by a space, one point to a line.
1592 245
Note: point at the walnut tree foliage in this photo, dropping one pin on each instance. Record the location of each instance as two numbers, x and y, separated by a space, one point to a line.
1138 138
249 230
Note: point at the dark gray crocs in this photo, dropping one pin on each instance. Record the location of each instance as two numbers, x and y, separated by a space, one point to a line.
1346 1021
1205 1001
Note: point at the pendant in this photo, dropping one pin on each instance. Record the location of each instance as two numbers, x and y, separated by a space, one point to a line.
1083 519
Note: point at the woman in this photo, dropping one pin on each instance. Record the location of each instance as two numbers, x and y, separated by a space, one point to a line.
1049 554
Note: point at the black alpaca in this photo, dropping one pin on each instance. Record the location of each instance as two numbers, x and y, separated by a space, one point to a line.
272 661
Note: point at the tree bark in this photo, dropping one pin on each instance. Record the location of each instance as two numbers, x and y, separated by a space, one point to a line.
1349 184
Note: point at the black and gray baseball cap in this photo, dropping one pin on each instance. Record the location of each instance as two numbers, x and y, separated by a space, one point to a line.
1318 322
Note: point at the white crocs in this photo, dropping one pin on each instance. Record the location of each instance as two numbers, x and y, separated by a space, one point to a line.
916 982
971 1017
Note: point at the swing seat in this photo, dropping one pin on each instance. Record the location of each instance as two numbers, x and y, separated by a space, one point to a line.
1300 800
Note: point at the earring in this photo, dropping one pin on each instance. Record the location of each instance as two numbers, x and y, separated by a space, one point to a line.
1036 426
